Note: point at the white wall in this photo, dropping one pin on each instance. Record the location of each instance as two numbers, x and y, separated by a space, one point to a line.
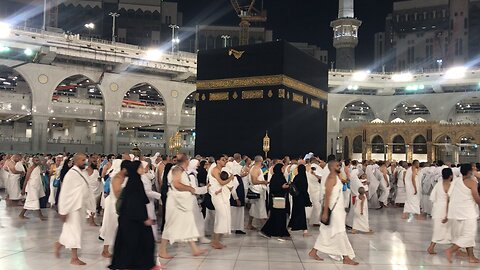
398 157
378 156
420 157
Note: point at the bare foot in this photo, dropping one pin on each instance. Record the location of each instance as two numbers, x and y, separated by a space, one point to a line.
216 245
354 231
404 216
157 267
448 254
313 254
306 234
77 261
165 256
199 252
57 246
421 217
430 250
347 260
462 254
106 254
473 260
371 232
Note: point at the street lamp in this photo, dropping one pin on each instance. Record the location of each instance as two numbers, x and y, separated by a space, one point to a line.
439 63
90 27
114 20
225 38
175 40
5 30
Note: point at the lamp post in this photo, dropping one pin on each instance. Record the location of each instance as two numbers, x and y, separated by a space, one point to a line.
266 144
225 38
114 21
439 63
90 27
175 40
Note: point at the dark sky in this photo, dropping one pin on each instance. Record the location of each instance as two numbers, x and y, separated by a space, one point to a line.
298 20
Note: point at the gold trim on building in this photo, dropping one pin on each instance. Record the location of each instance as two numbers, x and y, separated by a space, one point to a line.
252 94
219 96
315 104
270 93
260 81
297 98
235 95
281 93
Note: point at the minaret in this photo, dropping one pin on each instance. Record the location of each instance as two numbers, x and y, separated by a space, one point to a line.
345 35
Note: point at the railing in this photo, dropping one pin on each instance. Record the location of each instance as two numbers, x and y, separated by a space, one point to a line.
15 139
73 37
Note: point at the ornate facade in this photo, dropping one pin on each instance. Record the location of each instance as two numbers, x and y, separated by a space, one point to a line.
427 141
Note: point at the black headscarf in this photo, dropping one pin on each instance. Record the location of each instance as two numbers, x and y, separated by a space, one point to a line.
202 174
164 189
134 198
277 181
301 183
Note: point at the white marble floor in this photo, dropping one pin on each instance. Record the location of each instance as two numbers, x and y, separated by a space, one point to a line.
396 245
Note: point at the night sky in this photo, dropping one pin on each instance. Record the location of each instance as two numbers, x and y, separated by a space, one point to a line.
298 20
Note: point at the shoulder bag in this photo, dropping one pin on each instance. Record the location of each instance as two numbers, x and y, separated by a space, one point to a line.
327 222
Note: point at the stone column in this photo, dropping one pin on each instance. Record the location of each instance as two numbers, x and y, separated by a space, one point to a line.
389 151
39 133
409 153
110 133
430 152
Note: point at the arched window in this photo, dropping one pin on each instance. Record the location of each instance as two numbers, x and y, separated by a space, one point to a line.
358 144
378 146
419 145
399 145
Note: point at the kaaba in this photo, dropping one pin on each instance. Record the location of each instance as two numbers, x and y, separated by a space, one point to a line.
244 92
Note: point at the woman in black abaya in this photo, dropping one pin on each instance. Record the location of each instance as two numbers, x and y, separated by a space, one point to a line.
276 224
134 245
298 219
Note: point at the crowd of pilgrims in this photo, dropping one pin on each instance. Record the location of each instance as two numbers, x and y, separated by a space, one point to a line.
145 200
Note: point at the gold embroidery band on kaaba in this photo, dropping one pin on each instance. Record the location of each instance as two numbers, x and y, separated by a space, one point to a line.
259 81
252 94
218 96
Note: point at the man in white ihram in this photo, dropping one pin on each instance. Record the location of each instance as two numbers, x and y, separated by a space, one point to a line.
75 198
333 239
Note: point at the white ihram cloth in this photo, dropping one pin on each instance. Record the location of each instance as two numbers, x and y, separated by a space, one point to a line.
53 190
373 186
179 218
75 198
258 209
34 190
333 239
237 213
152 196
108 231
401 195
360 222
197 210
384 190
314 193
412 204
12 183
3 177
221 202
442 233
463 213
95 184
355 184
